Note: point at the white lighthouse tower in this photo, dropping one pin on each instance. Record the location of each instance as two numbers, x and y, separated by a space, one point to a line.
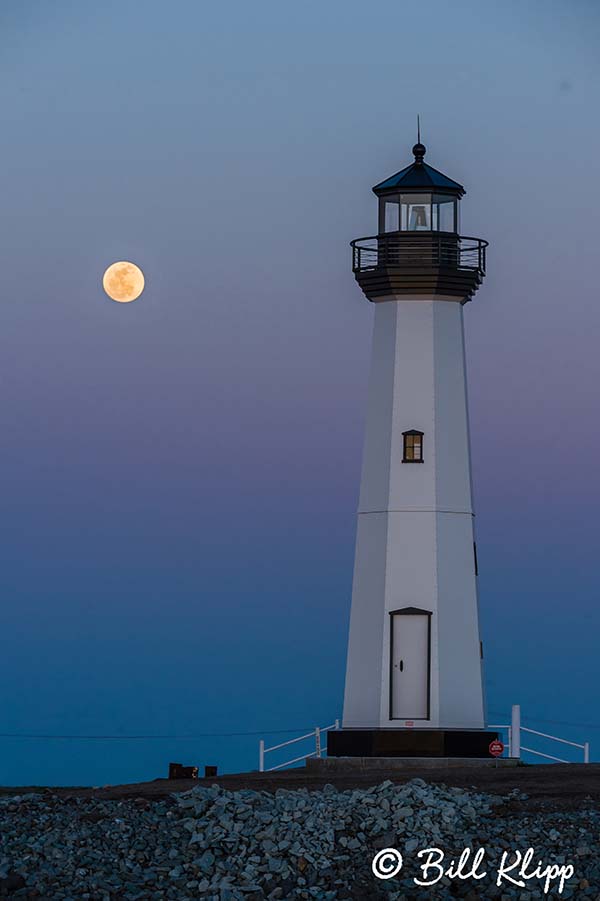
414 670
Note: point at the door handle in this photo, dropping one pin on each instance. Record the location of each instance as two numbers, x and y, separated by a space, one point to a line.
402 666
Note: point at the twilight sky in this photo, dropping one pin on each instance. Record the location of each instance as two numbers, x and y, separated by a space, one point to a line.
180 475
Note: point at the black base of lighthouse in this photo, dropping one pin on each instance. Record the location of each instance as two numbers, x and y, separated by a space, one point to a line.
410 742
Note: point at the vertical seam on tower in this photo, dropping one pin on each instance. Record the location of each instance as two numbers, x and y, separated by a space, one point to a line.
435 711
384 700
472 501
392 408
466 391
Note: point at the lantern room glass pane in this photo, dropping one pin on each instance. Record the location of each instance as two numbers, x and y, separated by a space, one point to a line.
444 213
415 212
392 214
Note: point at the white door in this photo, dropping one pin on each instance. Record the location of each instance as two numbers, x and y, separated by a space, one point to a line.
410 666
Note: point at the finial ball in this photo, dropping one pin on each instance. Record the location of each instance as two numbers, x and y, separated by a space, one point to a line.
419 152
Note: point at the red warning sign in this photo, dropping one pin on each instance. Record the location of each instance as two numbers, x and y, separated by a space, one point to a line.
496 748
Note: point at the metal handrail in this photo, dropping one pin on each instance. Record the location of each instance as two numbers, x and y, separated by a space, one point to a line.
514 749
553 737
547 756
290 742
514 739
445 249
280 766
316 734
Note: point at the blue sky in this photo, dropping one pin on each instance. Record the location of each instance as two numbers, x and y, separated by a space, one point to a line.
180 475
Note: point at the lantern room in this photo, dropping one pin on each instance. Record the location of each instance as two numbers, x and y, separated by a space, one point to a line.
419 198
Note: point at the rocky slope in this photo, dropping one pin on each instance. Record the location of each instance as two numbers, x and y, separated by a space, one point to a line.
219 844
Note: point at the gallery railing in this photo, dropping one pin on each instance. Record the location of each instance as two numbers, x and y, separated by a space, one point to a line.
424 250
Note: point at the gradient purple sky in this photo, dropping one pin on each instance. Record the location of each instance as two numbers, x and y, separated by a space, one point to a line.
180 475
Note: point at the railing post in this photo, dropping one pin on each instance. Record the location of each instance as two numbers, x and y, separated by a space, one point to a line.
261 756
586 752
337 724
317 742
515 737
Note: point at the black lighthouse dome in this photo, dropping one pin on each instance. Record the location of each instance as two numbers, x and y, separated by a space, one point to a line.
419 175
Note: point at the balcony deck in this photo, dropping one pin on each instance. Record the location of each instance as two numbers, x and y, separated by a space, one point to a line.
428 265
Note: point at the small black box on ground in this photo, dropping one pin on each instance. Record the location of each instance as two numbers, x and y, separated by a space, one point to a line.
210 771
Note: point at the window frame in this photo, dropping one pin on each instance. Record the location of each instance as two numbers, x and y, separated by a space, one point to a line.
412 433
438 200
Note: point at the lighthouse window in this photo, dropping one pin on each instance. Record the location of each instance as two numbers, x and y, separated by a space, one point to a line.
413 446
416 212
418 217
444 213
392 215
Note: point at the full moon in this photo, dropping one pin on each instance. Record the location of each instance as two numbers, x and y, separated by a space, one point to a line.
123 281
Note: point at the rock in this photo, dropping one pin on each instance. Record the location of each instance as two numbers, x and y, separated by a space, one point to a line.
206 861
403 813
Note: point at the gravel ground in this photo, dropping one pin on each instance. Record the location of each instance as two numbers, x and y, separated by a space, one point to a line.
223 844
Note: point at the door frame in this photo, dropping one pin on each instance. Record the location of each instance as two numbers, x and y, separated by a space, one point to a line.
410 611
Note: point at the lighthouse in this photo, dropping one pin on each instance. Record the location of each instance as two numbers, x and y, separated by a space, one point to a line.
414 683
